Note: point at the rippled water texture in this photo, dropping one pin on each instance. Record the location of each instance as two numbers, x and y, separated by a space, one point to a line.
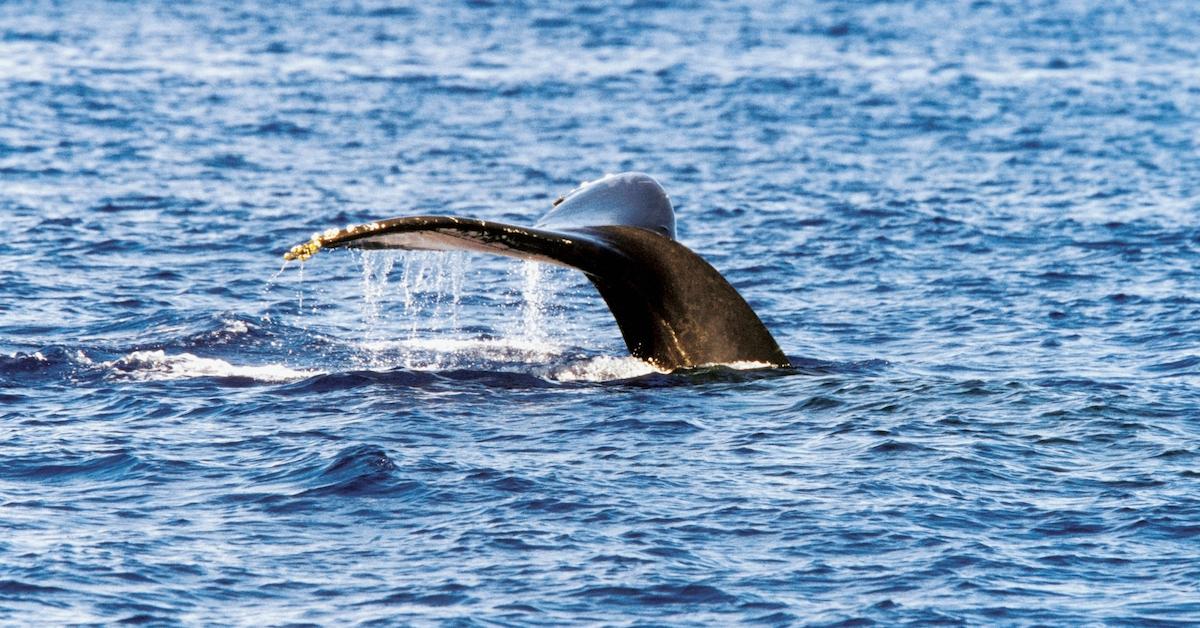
972 225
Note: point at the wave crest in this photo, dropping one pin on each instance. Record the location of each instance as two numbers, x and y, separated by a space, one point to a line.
158 365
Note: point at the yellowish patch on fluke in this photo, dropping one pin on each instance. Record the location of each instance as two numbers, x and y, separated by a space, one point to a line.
304 251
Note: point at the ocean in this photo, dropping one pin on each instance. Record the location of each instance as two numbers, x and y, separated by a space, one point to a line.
971 225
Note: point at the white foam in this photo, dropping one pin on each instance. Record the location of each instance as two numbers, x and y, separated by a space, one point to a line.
744 365
157 366
438 353
600 369
609 368
479 346
235 326
537 357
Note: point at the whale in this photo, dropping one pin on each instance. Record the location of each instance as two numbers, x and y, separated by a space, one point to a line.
673 309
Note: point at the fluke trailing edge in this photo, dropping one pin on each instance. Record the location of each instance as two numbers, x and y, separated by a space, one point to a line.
674 309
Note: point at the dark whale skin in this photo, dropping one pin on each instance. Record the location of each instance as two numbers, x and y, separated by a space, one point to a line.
673 308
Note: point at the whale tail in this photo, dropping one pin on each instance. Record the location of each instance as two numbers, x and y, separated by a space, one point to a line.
674 310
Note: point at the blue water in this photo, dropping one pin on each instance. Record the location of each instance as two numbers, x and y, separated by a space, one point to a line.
972 225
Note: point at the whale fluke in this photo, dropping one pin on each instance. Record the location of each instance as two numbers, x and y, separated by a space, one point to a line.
674 310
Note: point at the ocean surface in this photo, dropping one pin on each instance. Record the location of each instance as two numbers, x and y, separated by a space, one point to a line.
974 226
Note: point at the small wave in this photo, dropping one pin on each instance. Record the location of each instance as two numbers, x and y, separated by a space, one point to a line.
231 161
659 594
157 366
363 470
24 362
1182 364
274 127
110 466
358 471
18 587
49 361
137 202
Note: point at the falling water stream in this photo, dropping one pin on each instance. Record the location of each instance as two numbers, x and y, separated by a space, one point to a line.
412 312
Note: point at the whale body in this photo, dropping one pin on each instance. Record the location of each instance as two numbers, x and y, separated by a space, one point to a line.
674 310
